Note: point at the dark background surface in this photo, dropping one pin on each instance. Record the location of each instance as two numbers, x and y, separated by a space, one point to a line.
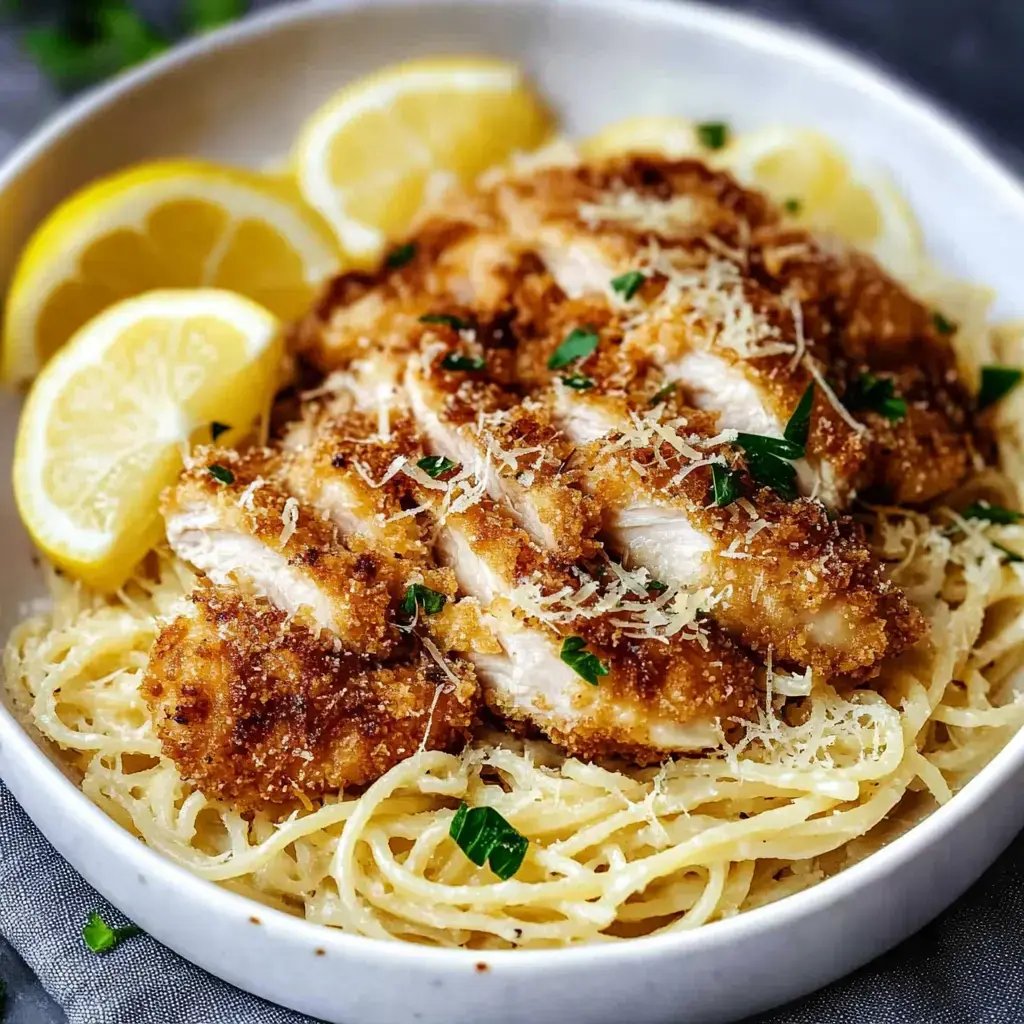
968 55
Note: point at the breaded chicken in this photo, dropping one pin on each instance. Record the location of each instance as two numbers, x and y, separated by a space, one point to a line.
745 313
794 585
657 694
257 709
510 443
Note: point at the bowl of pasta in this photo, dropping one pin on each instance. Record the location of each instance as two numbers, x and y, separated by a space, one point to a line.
515 499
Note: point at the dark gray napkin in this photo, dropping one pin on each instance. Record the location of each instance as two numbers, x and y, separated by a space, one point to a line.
43 905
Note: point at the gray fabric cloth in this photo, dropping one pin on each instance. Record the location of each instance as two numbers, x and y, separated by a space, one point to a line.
43 905
964 969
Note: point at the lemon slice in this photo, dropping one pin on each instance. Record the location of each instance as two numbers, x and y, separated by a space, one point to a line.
174 224
370 156
109 418
666 136
814 179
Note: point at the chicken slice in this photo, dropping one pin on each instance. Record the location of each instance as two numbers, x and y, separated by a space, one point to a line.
337 463
256 708
229 518
509 442
460 258
659 696
745 313
792 584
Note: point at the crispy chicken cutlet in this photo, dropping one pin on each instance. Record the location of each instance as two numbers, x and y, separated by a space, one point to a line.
256 708
587 437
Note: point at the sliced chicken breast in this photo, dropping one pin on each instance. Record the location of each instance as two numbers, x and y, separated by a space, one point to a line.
258 709
653 696
229 518
744 313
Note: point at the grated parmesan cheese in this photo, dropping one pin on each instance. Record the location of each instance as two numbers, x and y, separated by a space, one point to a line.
289 520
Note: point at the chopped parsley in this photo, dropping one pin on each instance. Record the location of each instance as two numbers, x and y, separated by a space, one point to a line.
628 284
778 447
453 361
657 586
101 938
578 344
216 429
996 383
584 663
205 15
662 394
942 325
417 594
713 134
992 514
792 205
221 474
725 484
485 837
96 39
577 381
877 394
799 426
435 465
454 322
1008 555
400 255
771 471
769 461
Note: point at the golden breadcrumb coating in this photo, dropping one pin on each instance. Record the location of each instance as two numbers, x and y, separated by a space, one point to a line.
257 709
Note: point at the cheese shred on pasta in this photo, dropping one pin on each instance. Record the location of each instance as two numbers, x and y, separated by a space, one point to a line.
815 782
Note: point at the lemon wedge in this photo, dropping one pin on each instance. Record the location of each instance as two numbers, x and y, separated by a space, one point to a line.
173 224
666 136
110 417
370 156
814 179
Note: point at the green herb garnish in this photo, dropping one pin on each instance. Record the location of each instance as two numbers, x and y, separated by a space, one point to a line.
877 394
443 318
453 361
578 344
101 938
662 394
992 514
399 256
1008 555
996 383
799 426
628 284
769 461
583 662
485 837
657 586
778 474
761 444
221 474
713 134
942 325
725 484
417 594
435 465
95 40
206 15
577 381
792 205
216 429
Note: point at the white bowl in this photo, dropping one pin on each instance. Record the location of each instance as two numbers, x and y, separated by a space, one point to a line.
239 95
